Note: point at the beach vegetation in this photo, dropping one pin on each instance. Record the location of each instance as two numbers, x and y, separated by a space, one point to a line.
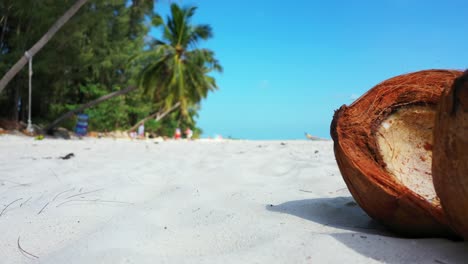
176 69
104 48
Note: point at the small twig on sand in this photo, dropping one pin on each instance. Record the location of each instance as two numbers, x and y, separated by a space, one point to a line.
43 208
24 252
95 201
84 193
25 201
54 200
1 213
56 196
340 189
16 183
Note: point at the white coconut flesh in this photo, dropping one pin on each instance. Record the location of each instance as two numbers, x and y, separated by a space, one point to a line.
405 143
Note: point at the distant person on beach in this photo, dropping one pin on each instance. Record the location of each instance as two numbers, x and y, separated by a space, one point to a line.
177 134
141 130
188 133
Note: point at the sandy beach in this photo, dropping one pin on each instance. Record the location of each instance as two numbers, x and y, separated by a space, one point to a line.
231 201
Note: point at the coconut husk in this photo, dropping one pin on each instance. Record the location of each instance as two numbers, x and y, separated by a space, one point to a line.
383 147
450 159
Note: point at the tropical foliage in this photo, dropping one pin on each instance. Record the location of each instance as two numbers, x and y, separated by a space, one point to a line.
102 49
176 71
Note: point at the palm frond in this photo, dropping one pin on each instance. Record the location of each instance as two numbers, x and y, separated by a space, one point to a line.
200 32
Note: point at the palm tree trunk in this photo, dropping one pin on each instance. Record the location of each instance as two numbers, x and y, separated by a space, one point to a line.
41 43
157 116
87 105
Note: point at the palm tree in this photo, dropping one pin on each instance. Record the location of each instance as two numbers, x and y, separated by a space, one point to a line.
176 71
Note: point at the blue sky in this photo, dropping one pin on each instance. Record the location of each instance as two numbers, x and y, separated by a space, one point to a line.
289 64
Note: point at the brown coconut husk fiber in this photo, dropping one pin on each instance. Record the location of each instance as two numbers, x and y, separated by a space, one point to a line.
383 147
450 159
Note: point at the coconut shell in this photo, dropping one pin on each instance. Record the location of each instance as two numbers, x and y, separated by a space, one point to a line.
450 158
383 147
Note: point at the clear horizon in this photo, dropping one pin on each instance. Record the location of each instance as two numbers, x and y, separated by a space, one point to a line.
288 66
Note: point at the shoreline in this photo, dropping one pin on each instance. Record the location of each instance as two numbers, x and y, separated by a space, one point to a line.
158 139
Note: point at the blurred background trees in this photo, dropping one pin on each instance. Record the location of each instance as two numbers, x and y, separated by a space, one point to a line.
102 49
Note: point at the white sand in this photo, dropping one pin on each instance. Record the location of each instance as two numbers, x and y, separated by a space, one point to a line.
190 202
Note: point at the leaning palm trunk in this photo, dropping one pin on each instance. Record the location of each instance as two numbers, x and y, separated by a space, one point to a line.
87 105
41 43
157 116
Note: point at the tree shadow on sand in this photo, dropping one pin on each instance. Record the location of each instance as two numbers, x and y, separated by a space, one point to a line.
370 238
